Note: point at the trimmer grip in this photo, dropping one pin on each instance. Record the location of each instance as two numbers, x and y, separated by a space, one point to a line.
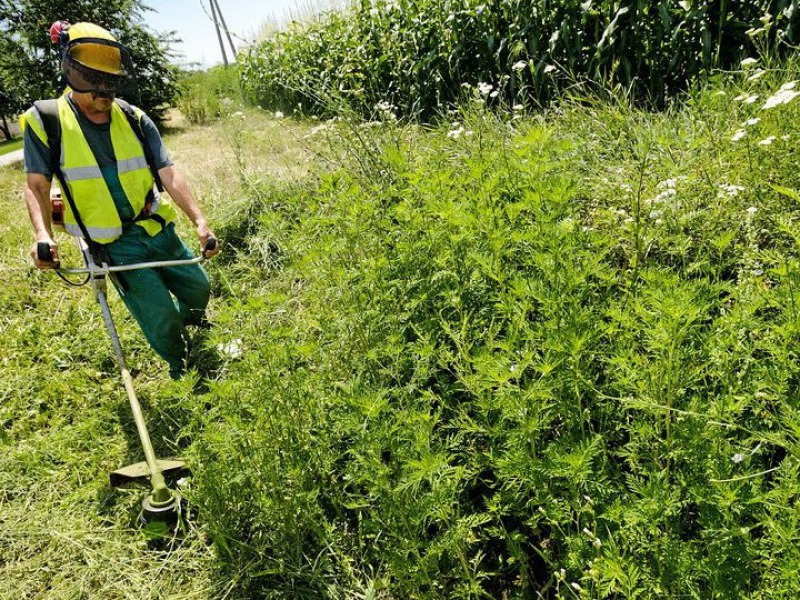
211 244
44 252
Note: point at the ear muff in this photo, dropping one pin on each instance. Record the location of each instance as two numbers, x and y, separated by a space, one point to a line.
59 32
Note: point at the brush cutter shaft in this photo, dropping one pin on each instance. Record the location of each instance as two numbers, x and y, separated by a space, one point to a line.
156 477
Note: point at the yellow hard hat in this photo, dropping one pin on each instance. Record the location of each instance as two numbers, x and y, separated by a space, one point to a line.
94 48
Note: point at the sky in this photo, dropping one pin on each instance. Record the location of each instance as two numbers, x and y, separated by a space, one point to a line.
192 21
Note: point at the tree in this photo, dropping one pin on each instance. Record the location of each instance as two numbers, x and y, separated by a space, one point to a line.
29 63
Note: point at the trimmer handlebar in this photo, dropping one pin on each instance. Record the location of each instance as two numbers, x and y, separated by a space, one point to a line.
45 253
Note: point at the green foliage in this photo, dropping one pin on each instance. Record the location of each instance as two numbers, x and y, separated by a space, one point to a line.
29 64
208 95
506 357
419 55
514 359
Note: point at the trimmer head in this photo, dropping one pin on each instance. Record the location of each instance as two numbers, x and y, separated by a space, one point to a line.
167 512
172 469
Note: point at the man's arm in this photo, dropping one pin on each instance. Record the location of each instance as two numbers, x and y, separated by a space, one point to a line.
37 198
178 188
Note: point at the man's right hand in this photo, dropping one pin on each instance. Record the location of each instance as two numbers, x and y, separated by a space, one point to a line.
45 264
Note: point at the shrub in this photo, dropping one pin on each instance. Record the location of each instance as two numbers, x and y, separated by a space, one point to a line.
208 95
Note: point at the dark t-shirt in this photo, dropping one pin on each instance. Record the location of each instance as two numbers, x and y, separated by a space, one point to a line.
37 155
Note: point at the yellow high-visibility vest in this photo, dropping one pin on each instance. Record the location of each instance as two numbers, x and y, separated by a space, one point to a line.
84 178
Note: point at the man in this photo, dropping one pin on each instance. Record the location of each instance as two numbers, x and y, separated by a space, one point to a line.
107 183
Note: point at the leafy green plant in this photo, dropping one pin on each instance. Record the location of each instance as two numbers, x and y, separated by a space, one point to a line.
209 95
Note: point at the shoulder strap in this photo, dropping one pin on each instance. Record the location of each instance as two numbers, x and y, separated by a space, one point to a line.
136 125
48 111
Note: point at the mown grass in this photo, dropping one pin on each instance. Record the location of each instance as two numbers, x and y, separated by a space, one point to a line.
64 416
548 356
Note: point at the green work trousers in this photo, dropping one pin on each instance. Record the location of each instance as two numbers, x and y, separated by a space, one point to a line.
163 300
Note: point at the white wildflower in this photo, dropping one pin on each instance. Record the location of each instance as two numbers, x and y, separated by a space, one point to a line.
484 88
278 114
751 211
667 194
731 190
494 94
455 133
518 107
738 135
576 586
781 97
597 543
767 141
738 457
785 137
753 121
519 65
746 98
666 184
753 32
789 85
549 69
758 74
748 62
232 349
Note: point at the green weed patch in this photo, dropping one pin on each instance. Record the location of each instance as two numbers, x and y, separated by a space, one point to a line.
521 358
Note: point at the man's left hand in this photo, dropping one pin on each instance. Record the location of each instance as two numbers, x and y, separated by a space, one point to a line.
204 233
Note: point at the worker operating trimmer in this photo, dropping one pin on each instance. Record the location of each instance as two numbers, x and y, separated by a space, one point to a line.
112 165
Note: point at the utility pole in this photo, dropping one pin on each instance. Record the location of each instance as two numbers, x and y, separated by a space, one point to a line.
220 25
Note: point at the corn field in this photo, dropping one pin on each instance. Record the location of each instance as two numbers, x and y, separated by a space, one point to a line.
420 57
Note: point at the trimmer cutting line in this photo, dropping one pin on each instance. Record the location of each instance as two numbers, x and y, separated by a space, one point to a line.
162 504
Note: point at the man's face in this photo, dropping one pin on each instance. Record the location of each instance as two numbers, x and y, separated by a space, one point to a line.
100 86
101 103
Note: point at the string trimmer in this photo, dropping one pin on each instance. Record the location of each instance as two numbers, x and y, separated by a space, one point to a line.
162 504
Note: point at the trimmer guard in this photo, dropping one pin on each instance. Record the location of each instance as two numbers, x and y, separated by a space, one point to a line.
172 469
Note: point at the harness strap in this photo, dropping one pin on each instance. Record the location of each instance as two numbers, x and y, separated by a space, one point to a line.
48 111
